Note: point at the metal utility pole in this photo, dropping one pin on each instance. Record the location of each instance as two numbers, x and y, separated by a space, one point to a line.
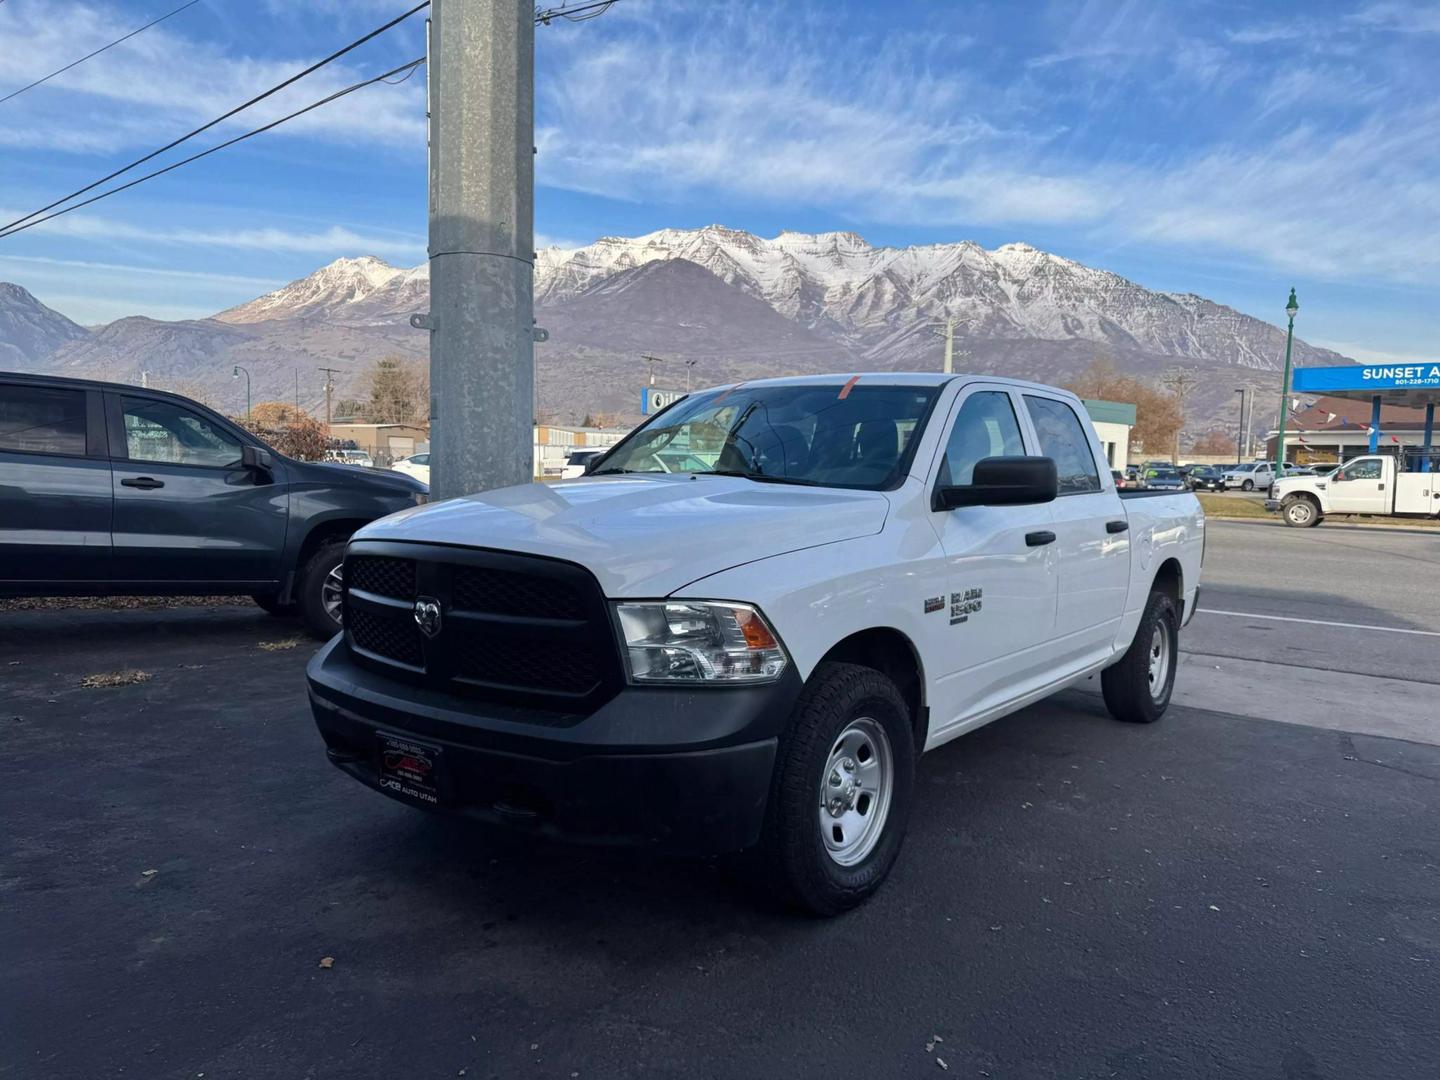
1292 308
482 189
329 386
689 369
651 361
949 335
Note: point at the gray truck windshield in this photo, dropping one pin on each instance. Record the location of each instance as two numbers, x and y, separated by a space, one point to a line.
841 435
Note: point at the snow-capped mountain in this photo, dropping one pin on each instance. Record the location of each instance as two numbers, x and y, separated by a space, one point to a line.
28 329
361 290
728 304
879 302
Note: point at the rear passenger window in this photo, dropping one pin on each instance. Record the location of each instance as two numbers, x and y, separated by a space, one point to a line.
985 427
40 420
1063 438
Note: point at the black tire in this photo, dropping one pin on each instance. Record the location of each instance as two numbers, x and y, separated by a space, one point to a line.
793 859
1300 512
309 589
268 603
1128 692
1248 485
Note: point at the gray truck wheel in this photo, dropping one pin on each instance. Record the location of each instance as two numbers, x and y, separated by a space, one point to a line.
1137 689
317 591
1248 485
1299 512
841 791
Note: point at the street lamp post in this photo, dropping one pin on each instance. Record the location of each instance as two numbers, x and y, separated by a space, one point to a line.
235 374
1291 309
1240 428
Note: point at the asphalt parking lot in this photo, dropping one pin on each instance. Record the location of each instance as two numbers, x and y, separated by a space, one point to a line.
1220 894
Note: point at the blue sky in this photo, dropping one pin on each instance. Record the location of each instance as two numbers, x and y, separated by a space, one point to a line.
1228 149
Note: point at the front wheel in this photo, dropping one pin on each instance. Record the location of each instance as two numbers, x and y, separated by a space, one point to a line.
840 796
1138 688
1300 513
319 590
1248 485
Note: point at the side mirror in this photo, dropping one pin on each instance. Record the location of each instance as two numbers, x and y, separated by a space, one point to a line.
256 459
1002 481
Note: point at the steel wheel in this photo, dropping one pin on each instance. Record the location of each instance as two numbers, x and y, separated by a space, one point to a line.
1159 670
1300 512
331 593
855 791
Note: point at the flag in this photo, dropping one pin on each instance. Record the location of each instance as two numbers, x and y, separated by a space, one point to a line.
1395 438
1330 417
1369 430
1301 440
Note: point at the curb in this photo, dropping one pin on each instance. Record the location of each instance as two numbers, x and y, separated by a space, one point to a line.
1414 530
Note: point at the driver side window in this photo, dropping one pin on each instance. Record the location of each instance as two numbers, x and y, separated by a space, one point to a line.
1366 469
161 431
985 427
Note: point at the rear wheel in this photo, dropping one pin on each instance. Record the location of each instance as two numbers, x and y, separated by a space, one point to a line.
319 589
1300 512
840 797
1137 689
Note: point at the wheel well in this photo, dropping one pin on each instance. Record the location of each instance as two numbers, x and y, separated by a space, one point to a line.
1307 495
891 653
1170 580
326 531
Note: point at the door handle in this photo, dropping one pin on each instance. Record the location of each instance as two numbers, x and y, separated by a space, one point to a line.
1039 539
1382 487
148 483
1116 526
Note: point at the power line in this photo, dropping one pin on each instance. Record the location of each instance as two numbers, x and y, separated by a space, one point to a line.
97 52
410 67
7 228
587 11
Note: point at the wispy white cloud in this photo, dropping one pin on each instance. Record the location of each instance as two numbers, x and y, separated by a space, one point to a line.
155 85
330 242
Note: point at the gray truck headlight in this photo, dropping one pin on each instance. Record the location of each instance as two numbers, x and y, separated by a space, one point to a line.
699 641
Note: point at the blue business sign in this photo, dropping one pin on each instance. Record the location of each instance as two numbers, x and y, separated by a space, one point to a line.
1319 380
653 399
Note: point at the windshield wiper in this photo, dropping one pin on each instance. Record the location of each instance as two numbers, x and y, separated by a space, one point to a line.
614 471
762 478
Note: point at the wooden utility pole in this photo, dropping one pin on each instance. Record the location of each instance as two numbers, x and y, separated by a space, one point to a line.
329 386
1180 383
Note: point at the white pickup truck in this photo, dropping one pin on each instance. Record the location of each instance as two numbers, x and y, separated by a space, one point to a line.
1379 484
741 628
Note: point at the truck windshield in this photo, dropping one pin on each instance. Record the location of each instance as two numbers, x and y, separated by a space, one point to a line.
832 435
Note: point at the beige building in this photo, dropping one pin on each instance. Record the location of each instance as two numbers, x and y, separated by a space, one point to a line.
386 443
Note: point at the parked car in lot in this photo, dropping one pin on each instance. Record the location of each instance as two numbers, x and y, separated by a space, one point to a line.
361 458
117 490
577 460
416 465
1166 479
752 654
1378 484
1253 474
1205 478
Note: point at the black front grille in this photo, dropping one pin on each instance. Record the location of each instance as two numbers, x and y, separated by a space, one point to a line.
530 664
395 637
382 576
512 628
504 592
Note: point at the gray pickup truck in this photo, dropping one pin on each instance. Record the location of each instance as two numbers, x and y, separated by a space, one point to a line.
117 490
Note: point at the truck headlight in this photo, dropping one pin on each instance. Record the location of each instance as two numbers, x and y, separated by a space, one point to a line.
699 641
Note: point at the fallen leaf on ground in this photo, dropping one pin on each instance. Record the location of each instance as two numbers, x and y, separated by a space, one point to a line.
148 873
277 646
1214 908
114 678
327 961
941 1063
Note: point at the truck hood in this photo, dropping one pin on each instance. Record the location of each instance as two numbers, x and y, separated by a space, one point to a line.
644 535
